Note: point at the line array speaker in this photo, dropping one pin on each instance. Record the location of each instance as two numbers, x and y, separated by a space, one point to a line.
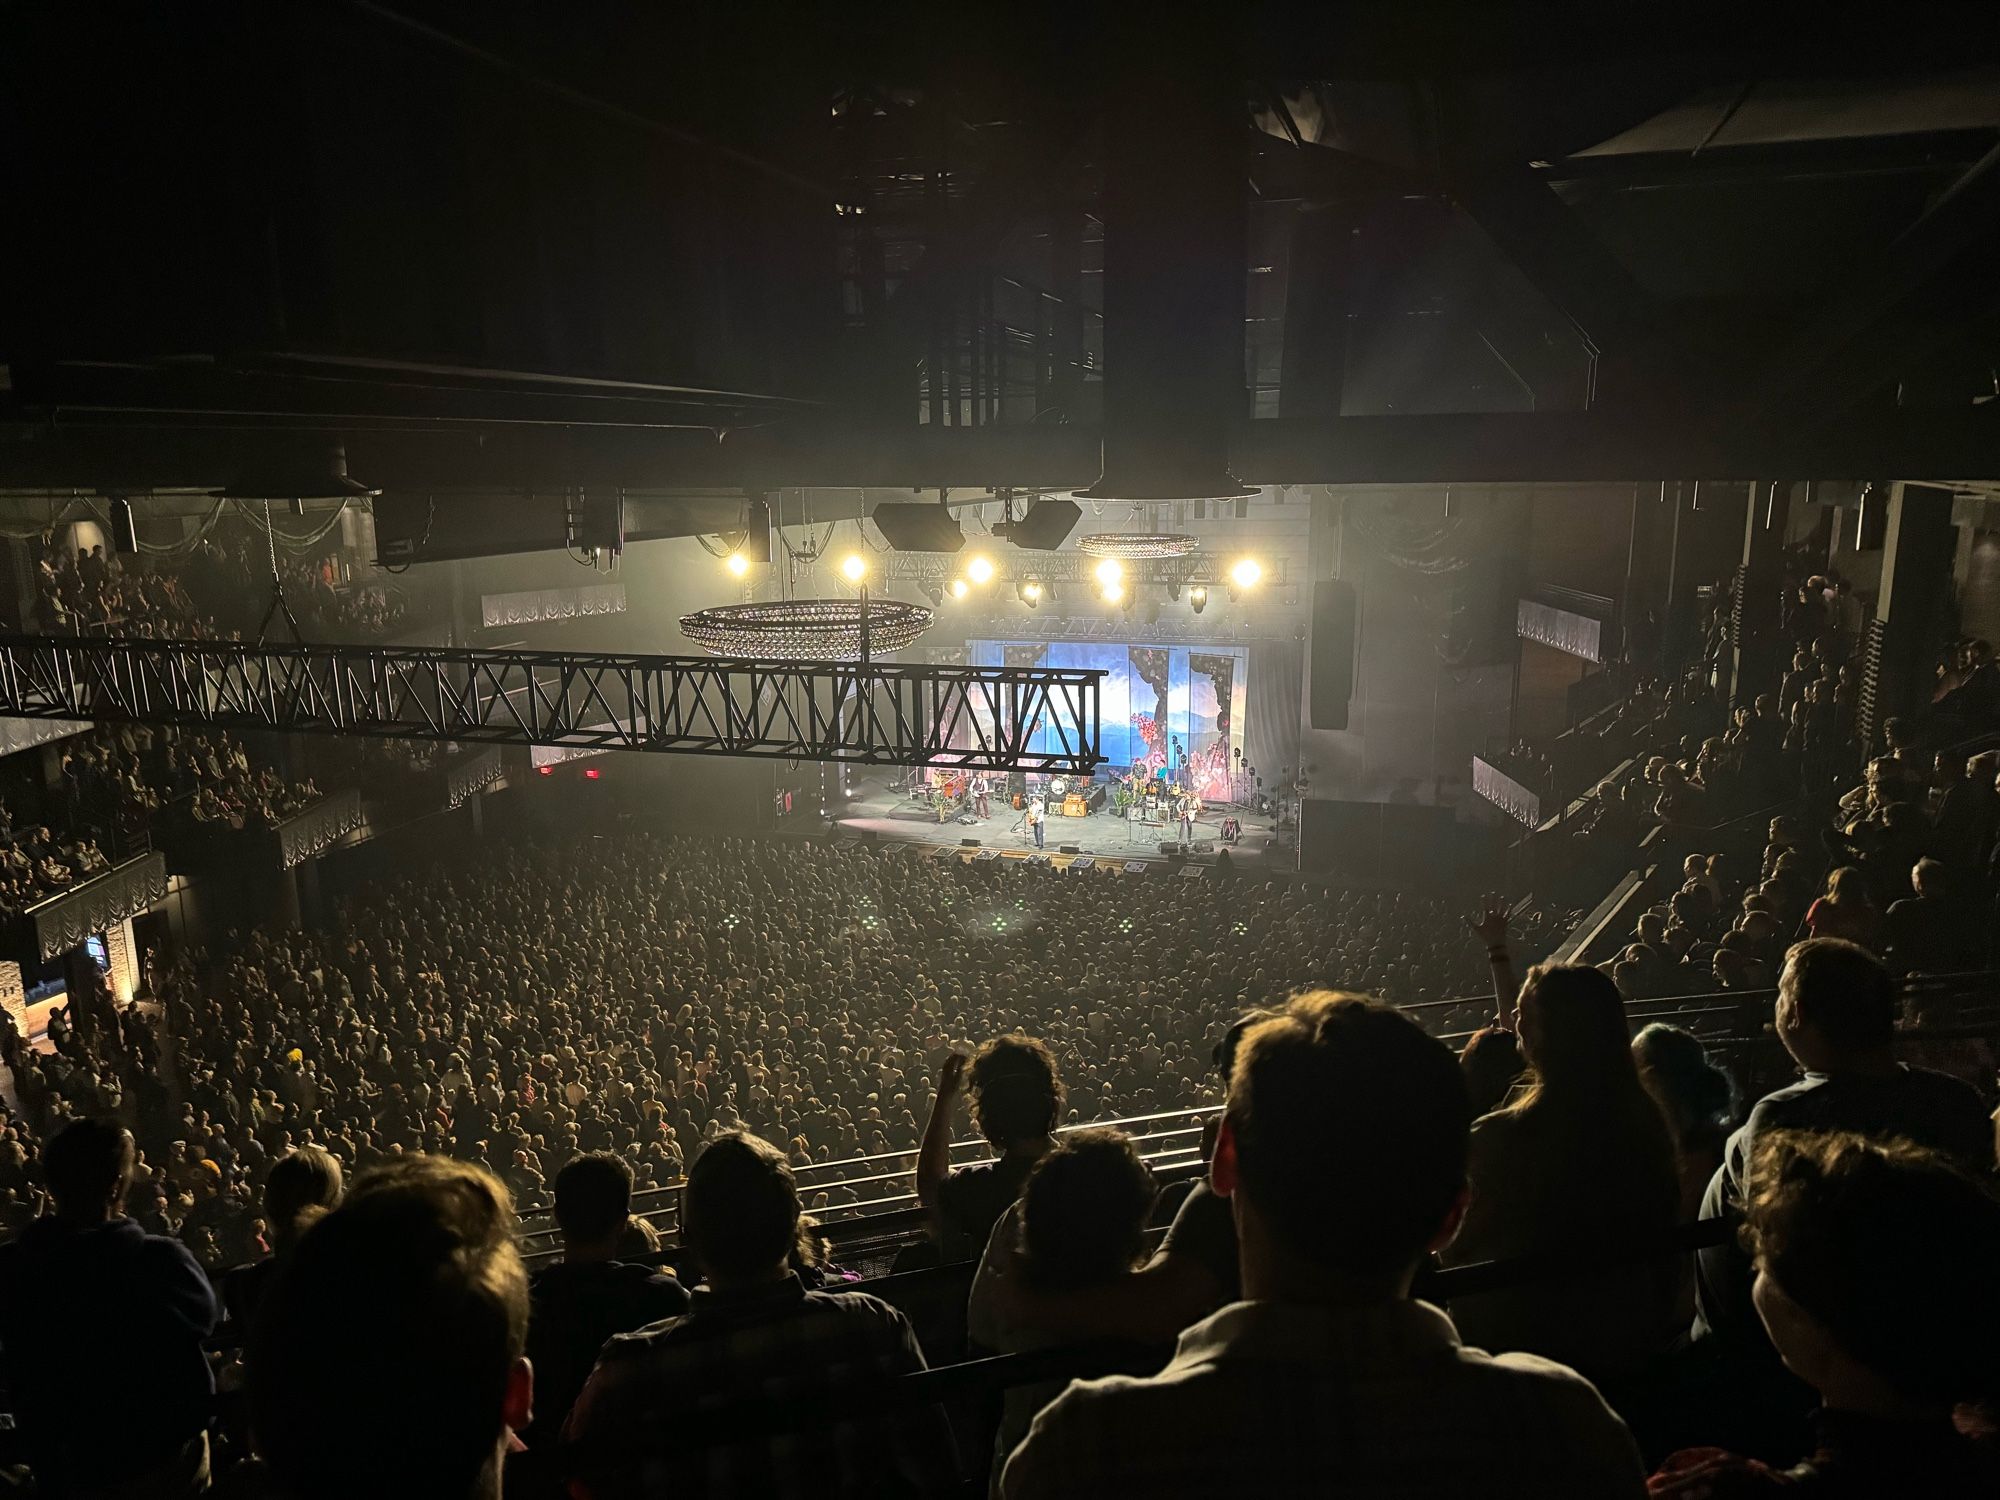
1332 662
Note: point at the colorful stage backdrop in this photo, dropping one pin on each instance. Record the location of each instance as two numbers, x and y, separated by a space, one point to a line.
1154 696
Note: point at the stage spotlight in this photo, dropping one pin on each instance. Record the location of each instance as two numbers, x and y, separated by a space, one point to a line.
1174 592
854 567
980 571
1111 590
1246 572
737 563
960 588
1030 591
1110 572
1198 597
545 770
592 773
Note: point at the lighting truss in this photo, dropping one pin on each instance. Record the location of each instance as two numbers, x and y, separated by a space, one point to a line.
1042 719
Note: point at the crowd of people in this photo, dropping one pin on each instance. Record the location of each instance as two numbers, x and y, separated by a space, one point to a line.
577 1023
1842 1346
221 589
36 865
84 591
642 995
323 1141
115 789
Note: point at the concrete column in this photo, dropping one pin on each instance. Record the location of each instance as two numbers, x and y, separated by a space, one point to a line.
1758 657
1913 609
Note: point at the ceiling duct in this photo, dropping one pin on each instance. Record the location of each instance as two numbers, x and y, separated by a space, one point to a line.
316 476
1174 255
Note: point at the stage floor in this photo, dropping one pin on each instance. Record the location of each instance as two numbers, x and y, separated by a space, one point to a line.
890 814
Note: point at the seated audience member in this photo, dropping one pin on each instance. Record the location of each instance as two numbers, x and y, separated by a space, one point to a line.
1932 932
102 1326
579 1304
1836 1015
1015 1098
1874 1280
1580 1156
1845 910
387 1357
1968 811
1080 1226
1193 1272
1343 1151
1697 1099
301 1187
647 1420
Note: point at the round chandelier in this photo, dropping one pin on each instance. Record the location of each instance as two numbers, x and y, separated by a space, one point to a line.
805 629
1134 545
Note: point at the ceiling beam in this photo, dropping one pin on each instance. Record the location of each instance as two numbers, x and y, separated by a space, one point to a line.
1642 357
1930 284
1508 447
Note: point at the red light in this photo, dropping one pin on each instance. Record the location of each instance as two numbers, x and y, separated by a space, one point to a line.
545 770
592 773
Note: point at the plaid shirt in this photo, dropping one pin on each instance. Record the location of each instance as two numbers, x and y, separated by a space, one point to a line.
698 1373
1274 1399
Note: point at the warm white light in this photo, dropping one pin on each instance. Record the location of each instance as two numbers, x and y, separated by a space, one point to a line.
1110 572
1031 591
1112 590
959 588
737 564
980 571
1246 573
854 567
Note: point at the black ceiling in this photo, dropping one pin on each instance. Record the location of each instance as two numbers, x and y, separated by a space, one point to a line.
729 244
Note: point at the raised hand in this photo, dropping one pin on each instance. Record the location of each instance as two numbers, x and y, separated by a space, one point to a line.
952 1074
1490 929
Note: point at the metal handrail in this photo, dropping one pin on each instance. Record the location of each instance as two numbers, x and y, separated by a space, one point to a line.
1187 1112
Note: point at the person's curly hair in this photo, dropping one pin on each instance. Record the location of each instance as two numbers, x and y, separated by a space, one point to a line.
1013 1090
1888 1247
1084 1209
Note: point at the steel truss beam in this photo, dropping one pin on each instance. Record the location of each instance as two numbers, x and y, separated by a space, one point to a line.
980 718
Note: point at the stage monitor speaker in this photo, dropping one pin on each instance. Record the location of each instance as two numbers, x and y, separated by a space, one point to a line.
968 843
1045 527
927 527
1332 666
1173 850
1069 848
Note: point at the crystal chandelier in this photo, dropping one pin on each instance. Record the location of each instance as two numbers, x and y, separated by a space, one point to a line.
805 629
1137 545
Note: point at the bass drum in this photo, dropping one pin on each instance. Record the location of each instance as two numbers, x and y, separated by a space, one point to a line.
1057 788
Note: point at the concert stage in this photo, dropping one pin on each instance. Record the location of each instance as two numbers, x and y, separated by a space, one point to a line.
889 814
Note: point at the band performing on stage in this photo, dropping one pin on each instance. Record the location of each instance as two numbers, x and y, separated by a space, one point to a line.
1157 802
